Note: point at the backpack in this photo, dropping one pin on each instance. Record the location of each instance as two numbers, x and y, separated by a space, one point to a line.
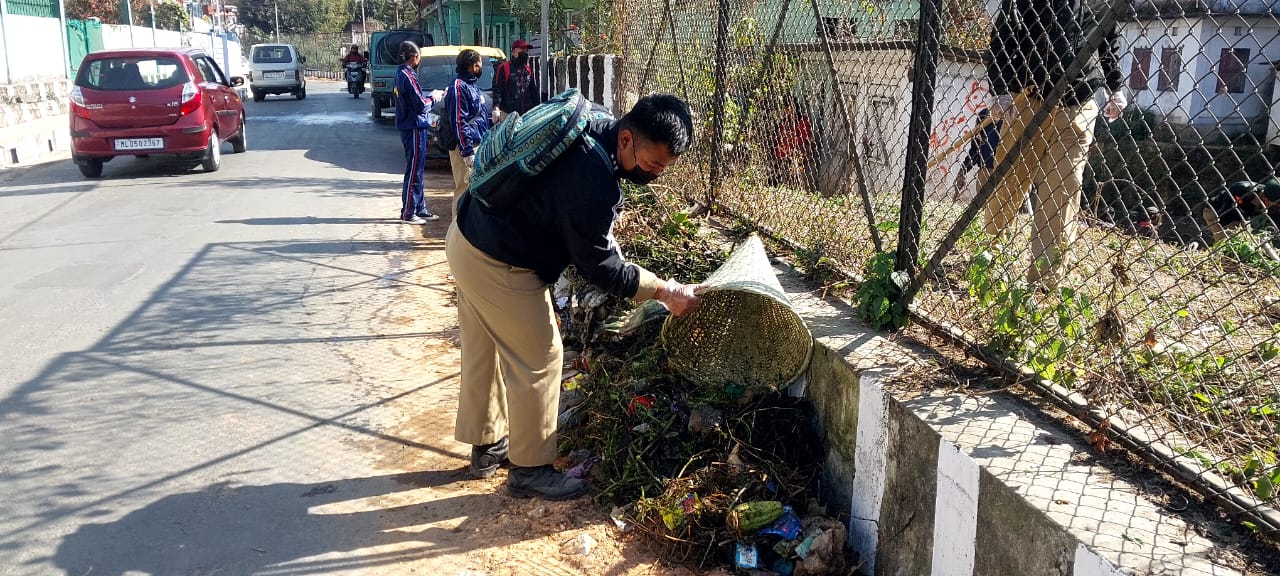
521 147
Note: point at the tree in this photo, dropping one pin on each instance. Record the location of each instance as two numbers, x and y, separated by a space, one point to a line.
296 16
107 11
170 14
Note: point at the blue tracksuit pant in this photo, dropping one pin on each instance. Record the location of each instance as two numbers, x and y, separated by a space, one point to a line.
415 158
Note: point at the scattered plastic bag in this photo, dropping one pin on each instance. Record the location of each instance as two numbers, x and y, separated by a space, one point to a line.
747 556
580 545
622 325
787 526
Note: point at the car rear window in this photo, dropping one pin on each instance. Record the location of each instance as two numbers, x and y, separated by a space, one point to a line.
438 72
132 73
388 49
272 55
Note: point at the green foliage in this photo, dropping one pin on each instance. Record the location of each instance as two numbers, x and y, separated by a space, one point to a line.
1268 350
1038 332
879 297
1245 247
172 16
296 16
966 25
1259 472
679 225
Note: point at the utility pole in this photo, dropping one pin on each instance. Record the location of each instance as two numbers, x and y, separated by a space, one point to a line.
484 41
364 26
277 4
546 47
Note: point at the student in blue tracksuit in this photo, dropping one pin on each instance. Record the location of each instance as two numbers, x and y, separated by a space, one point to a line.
467 119
412 120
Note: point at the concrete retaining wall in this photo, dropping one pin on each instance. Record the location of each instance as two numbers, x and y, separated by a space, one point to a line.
35 48
944 483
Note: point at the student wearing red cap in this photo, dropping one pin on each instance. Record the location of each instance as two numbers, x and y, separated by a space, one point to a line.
514 84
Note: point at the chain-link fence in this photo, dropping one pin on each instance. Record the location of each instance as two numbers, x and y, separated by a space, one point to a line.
1128 263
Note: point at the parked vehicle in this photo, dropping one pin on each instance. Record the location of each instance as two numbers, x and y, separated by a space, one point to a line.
436 71
145 101
355 78
276 69
384 60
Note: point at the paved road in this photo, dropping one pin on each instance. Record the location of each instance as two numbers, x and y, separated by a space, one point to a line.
211 373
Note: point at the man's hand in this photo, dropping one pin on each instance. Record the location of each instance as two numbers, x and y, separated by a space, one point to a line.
470 161
1115 106
496 116
679 298
1002 107
436 95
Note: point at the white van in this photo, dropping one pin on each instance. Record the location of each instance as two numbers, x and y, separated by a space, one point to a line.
276 69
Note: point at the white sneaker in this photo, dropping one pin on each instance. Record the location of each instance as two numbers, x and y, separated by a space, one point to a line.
414 220
429 217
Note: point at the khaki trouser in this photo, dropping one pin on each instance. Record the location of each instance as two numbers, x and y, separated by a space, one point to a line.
1053 162
461 175
511 355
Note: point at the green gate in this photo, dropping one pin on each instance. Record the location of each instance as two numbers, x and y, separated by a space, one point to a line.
83 38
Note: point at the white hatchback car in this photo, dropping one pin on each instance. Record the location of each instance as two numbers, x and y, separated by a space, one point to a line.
276 69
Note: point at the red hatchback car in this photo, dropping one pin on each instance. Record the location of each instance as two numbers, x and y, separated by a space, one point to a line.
145 101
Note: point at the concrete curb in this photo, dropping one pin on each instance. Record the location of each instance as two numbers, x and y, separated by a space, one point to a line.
34 141
959 485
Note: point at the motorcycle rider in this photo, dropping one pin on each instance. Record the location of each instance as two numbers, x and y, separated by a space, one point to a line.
355 57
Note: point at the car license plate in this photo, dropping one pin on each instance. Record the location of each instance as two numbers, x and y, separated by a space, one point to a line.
273 75
139 143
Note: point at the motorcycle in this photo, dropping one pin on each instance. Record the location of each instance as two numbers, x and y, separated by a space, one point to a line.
355 78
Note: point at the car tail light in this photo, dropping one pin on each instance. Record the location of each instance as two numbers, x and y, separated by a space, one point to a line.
78 105
190 99
379 84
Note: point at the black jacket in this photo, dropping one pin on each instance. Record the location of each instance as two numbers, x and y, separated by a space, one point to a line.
565 217
1033 43
515 87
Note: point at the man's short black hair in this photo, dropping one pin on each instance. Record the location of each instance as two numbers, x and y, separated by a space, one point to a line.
661 119
466 59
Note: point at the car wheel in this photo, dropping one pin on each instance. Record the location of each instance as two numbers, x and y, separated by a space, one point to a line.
258 96
213 154
301 93
376 107
91 168
240 141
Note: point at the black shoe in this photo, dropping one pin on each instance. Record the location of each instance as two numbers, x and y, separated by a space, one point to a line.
429 217
543 482
486 458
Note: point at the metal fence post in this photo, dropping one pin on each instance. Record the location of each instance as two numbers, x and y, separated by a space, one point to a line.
911 214
851 148
717 102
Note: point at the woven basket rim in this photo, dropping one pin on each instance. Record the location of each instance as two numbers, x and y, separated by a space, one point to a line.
740 286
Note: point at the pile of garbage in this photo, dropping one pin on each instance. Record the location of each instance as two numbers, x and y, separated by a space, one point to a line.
705 476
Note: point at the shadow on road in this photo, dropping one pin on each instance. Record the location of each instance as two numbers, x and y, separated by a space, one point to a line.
294 221
228 529
243 358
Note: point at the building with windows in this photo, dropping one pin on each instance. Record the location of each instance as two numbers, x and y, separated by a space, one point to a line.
472 23
1204 66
